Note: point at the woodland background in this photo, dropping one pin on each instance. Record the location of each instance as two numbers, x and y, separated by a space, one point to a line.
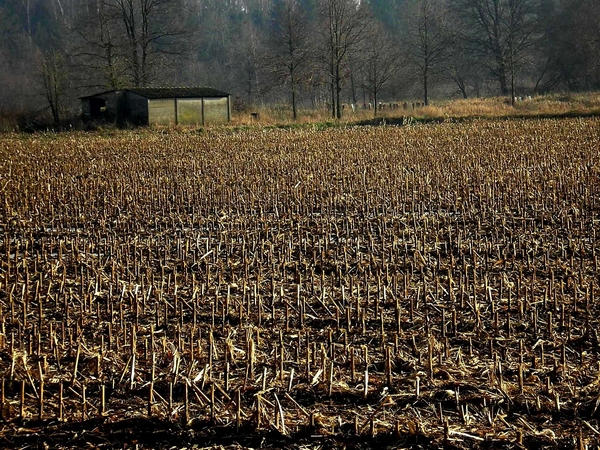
296 54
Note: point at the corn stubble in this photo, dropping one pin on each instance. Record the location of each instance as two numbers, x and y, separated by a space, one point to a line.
427 285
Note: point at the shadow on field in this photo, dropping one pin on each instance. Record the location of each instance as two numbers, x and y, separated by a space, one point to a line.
141 433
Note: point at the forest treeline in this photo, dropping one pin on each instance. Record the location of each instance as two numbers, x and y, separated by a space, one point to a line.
332 54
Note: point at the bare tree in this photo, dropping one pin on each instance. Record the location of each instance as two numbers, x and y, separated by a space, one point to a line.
344 26
251 62
501 31
54 77
463 71
152 32
99 49
572 44
27 6
289 45
429 40
462 66
380 58
130 41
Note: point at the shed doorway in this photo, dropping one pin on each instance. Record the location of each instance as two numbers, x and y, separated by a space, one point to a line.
97 108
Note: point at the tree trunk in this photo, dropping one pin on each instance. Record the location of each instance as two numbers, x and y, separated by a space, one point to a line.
512 76
512 85
375 102
333 115
502 77
293 82
460 83
332 89
353 84
53 84
338 90
426 87
364 97
27 5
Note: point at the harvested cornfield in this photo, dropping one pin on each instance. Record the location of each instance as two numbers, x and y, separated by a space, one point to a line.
420 287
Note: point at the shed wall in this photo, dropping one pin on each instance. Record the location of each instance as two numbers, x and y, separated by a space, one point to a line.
189 111
137 109
216 110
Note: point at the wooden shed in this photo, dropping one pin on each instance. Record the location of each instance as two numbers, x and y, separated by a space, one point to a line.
159 106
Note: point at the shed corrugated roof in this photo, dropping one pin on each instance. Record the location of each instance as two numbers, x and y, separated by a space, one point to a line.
169 92
178 92
98 94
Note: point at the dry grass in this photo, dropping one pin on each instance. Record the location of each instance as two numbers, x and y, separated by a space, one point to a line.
501 107
274 115
556 104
